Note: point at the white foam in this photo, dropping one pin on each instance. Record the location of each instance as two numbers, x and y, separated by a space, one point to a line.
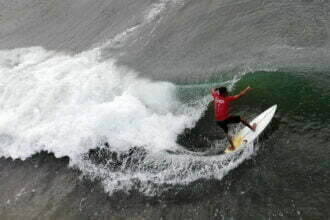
70 104
157 8
159 171
66 105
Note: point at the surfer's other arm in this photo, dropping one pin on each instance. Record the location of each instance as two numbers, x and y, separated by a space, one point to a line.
242 93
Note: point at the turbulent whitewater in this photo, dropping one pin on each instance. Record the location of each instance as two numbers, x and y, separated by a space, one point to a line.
70 104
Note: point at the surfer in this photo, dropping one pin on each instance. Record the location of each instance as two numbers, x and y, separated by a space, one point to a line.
221 111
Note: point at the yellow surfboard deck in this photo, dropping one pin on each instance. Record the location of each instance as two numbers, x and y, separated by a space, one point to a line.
237 141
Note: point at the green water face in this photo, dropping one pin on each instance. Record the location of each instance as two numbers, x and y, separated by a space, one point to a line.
303 102
289 176
297 94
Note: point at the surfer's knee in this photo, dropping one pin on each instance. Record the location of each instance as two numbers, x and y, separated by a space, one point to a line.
242 119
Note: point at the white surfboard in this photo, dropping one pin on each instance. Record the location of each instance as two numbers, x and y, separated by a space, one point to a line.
246 135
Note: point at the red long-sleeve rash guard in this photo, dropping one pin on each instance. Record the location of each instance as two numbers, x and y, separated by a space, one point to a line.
221 106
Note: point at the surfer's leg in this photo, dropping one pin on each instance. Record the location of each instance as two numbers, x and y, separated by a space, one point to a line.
230 141
252 127
224 126
233 119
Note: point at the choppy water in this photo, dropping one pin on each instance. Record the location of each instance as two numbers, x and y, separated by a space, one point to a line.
120 91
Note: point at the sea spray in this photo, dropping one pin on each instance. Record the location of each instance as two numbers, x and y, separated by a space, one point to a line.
69 105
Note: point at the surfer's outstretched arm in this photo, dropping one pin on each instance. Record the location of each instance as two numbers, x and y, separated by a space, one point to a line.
243 92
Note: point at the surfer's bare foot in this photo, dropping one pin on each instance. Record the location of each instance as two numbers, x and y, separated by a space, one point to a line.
254 126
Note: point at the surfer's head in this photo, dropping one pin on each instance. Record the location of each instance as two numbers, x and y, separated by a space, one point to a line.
223 91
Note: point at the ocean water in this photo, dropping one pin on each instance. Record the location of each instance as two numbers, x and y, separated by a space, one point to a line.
105 109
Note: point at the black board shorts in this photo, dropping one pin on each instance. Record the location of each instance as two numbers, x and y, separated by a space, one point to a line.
234 119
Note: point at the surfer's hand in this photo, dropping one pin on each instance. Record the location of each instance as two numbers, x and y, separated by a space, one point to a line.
248 88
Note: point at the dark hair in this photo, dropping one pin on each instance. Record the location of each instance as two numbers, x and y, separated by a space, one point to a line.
222 91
